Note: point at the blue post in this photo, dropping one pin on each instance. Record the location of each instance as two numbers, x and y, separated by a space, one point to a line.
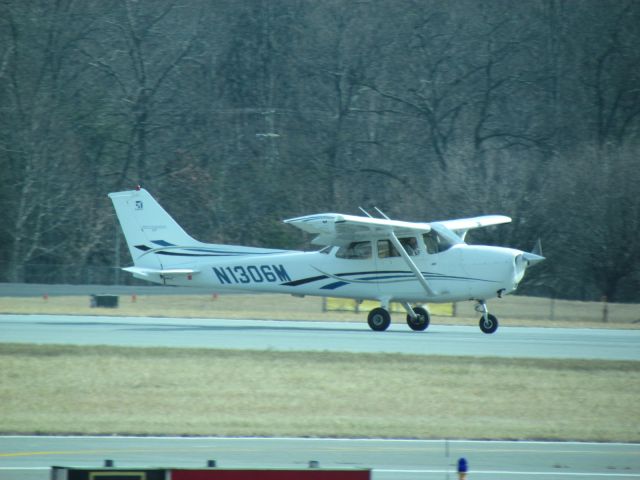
463 467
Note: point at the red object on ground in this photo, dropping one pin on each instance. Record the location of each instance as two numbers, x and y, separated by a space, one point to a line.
311 474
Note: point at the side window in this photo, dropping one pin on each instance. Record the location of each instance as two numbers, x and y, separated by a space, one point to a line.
410 245
386 248
326 250
436 243
355 250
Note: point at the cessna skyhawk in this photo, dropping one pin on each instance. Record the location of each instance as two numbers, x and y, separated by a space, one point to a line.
363 258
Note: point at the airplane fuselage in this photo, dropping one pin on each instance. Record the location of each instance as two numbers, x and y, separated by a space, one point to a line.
462 272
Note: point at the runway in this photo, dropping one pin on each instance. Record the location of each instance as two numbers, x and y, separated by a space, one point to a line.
28 458
320 336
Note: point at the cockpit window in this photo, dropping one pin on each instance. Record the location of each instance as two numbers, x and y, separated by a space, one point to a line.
436 243
355 250
386 248
326 250
410 245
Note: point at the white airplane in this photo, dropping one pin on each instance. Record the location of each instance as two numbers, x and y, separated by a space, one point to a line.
363 258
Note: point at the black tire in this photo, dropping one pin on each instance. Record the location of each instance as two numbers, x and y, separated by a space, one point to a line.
379 319
489 325
420 323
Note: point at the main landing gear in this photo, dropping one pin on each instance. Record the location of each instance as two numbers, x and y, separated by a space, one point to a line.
379 319
488 322
418 318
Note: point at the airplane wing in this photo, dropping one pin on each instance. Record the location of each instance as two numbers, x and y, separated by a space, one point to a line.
338 229
463 225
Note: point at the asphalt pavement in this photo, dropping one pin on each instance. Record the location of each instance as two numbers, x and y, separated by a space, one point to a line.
516 342
29 458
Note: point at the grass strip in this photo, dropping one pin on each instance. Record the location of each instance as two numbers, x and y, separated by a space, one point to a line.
161 391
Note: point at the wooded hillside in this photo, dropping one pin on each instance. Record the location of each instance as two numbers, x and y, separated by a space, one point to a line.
238 114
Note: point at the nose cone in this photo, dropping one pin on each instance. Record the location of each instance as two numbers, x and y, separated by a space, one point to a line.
532 258
522 262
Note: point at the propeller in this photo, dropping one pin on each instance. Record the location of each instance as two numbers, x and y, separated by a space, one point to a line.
535 256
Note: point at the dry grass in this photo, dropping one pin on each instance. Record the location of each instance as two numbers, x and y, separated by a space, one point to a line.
104 390
511 310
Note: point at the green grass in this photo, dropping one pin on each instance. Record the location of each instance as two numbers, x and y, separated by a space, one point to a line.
107 390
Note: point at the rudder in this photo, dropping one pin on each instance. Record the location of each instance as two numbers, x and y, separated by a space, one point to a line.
146 225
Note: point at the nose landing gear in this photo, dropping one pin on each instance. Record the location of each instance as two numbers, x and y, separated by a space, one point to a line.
417 317
488 322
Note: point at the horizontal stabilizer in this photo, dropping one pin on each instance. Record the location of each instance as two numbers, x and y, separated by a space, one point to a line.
145 272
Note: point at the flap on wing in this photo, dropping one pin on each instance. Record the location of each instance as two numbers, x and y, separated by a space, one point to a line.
145 272
337 229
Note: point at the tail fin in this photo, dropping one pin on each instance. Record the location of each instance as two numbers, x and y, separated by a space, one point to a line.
146 226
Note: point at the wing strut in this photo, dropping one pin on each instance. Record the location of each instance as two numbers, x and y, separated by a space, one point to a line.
416 271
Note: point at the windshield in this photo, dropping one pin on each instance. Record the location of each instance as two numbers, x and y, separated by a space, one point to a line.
436 242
